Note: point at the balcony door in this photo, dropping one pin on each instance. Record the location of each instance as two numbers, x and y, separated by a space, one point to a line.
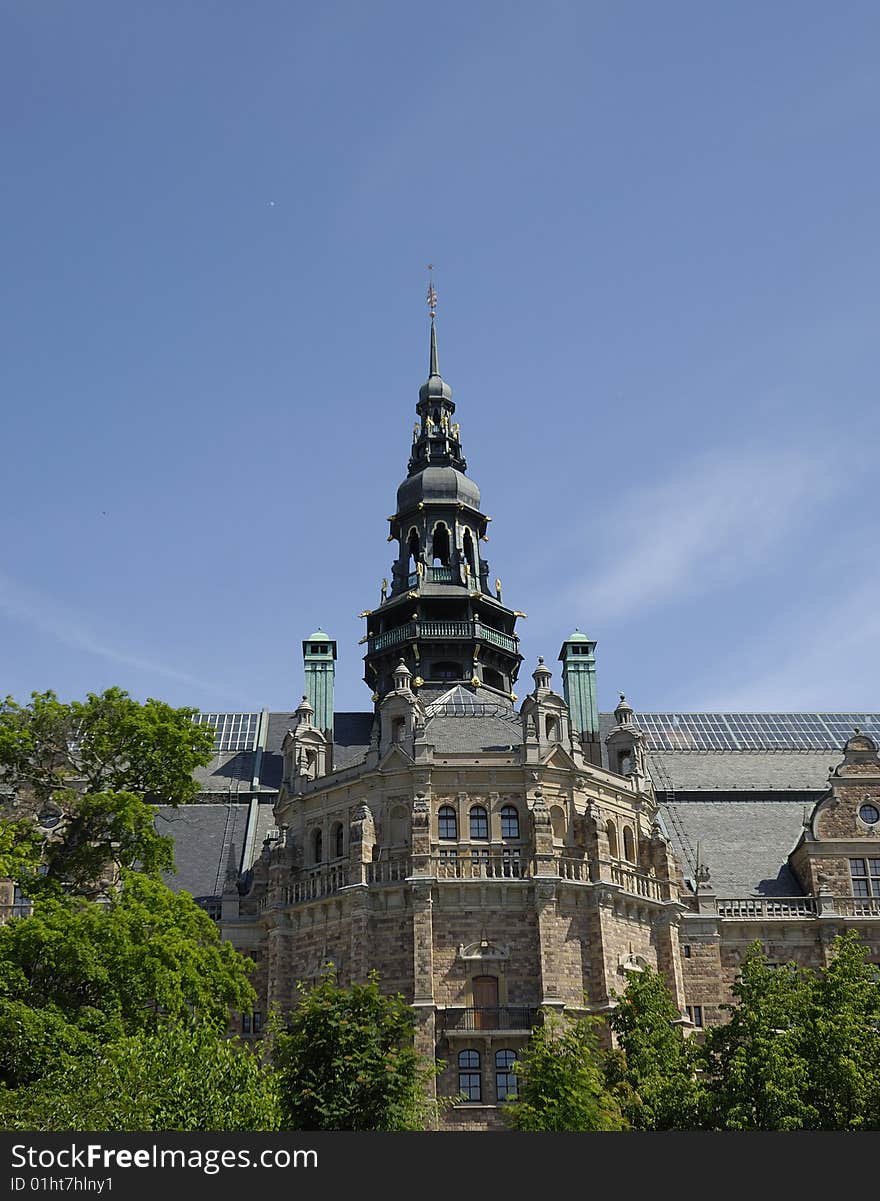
486 1003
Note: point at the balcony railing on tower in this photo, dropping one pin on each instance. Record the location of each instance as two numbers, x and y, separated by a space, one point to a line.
412 630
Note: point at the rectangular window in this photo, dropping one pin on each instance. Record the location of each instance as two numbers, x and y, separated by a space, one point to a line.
686 947
245 1023
510 863
505 1080
258 1021
695 1013
470 1076
865 874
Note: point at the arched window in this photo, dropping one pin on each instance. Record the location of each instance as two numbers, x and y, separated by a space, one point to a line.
317 847
479 822
440 544
505 1080
551 727
339 840
447 822
557 824
611 831
398 729
509 822
469 1077
629 846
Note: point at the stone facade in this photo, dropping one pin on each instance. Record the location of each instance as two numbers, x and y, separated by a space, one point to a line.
494 863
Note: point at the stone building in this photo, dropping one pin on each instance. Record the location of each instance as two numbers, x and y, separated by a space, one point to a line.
491 858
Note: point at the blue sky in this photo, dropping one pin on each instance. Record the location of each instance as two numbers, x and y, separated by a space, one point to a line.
655 236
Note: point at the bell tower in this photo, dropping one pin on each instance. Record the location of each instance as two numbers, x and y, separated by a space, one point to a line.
439 614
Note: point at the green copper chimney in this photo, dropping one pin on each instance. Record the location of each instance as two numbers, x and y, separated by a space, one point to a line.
319 664
579 687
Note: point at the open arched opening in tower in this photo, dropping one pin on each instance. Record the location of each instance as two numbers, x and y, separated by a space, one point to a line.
440 544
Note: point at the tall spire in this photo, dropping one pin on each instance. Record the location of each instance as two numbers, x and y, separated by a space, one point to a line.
434 368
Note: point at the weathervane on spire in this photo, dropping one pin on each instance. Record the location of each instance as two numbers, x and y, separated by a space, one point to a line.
432 294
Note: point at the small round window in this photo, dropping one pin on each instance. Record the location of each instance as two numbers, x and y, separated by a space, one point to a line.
869 814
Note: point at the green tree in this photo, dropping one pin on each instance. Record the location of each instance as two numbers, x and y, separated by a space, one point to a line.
347 1062
560 1081
758 1064
88 770
177 1078
653 1075
841 1040
147 956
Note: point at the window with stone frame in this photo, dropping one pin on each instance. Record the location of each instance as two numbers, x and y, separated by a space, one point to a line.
509 822
470 1081
479 822
865 874
695 1013
447 822
448 862
480 861
505 1080
510 863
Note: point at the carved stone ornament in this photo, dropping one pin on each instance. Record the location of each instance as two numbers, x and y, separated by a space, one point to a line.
483 950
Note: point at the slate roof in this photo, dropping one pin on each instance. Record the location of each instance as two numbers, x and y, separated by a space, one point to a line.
741 771
745 844
203 836
744 808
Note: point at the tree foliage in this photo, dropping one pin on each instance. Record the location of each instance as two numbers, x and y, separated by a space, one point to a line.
801 1049
347 1062
560 1081
653 1074
146 957
175 1078
841 1040
87 770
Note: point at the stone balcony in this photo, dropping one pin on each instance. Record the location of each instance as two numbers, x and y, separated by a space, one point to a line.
776 909
477 865
500 1018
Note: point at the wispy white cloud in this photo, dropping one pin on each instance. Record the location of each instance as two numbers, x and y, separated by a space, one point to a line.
48 615
827 658
712 523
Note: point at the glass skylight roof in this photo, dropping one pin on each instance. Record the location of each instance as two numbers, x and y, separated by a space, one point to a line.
232 731
753 731
458 702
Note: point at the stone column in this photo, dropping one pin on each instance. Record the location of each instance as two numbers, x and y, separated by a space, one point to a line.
548 939
358 898
425 1031
666 938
